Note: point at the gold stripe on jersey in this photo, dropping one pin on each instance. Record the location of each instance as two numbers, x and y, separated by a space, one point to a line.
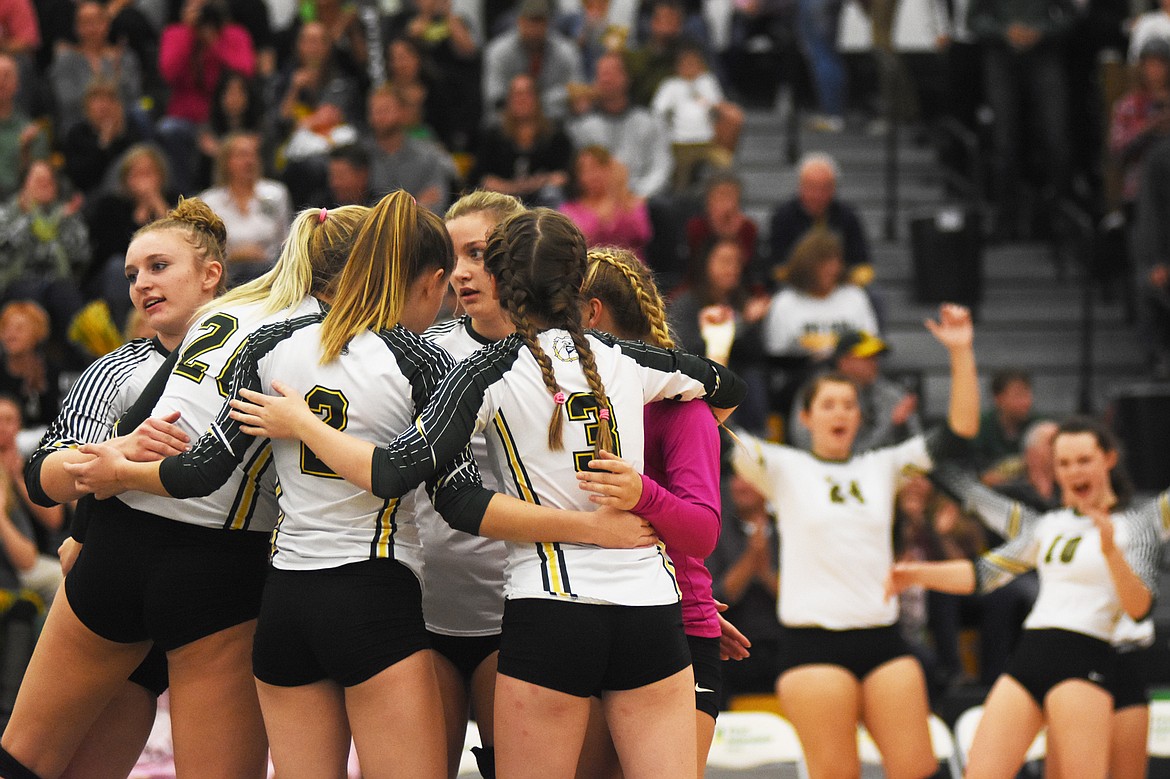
1008 564
668 564
1164 509
385 528
519 473
247 495
553 570
1014 518
276 527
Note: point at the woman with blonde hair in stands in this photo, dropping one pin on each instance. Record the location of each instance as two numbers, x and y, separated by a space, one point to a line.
185 576
678 493
580 620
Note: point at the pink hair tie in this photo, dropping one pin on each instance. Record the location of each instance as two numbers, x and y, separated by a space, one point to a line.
559 398
603 414
321 217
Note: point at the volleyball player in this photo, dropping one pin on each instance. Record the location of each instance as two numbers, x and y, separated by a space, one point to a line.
167 287
843 659
463 596
579 620
679 493
1128 685
186 576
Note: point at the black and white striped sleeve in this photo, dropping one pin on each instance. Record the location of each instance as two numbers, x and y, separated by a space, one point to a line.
1008 560
89 411
722 388
998 512
434 449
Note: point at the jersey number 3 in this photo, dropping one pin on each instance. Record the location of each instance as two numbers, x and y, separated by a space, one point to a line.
333 408
582 407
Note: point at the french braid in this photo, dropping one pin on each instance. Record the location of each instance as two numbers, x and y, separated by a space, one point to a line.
626 287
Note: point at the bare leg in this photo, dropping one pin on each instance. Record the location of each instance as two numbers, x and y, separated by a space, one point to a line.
215 713
823 703
1079 716
653 727
1127 752
114 743
397 720
538 731
483 697
453 699
705 734
71 678
1011 720
599 759
307 728
895 710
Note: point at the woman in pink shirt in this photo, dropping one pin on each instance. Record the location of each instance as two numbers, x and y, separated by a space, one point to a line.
678 494
605 210
192 55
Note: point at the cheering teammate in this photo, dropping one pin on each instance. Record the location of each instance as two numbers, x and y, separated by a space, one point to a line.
1097 564
842 658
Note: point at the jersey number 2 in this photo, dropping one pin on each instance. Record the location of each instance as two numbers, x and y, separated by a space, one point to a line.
219 328
333 408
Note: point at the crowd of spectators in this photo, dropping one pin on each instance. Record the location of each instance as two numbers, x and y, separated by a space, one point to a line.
620 113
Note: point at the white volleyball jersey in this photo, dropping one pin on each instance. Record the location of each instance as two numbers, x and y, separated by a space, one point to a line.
1071 601
1076 589
499 390
198 388
836 528
463 574
372 391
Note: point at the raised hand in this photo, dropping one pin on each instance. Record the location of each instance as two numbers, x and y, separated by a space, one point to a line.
954 328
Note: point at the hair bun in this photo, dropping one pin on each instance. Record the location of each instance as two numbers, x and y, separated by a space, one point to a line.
199 215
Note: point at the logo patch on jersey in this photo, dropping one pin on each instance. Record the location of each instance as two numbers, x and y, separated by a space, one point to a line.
563 349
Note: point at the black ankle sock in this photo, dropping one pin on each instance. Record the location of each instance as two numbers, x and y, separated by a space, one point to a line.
485 758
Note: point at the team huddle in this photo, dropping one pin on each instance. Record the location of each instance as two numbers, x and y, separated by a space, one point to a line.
316 516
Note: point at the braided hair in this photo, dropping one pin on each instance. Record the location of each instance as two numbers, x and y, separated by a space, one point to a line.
538 259
626 287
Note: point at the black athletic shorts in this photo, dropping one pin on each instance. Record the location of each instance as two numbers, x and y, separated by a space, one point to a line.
345 624
1130 680
151 673
141 577
708 674
586 649
858 651
1046 657
464 652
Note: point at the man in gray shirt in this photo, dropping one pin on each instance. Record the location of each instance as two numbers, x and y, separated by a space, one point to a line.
533 49
398 161
630 133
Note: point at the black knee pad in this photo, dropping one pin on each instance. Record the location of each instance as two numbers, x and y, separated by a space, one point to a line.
485 758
